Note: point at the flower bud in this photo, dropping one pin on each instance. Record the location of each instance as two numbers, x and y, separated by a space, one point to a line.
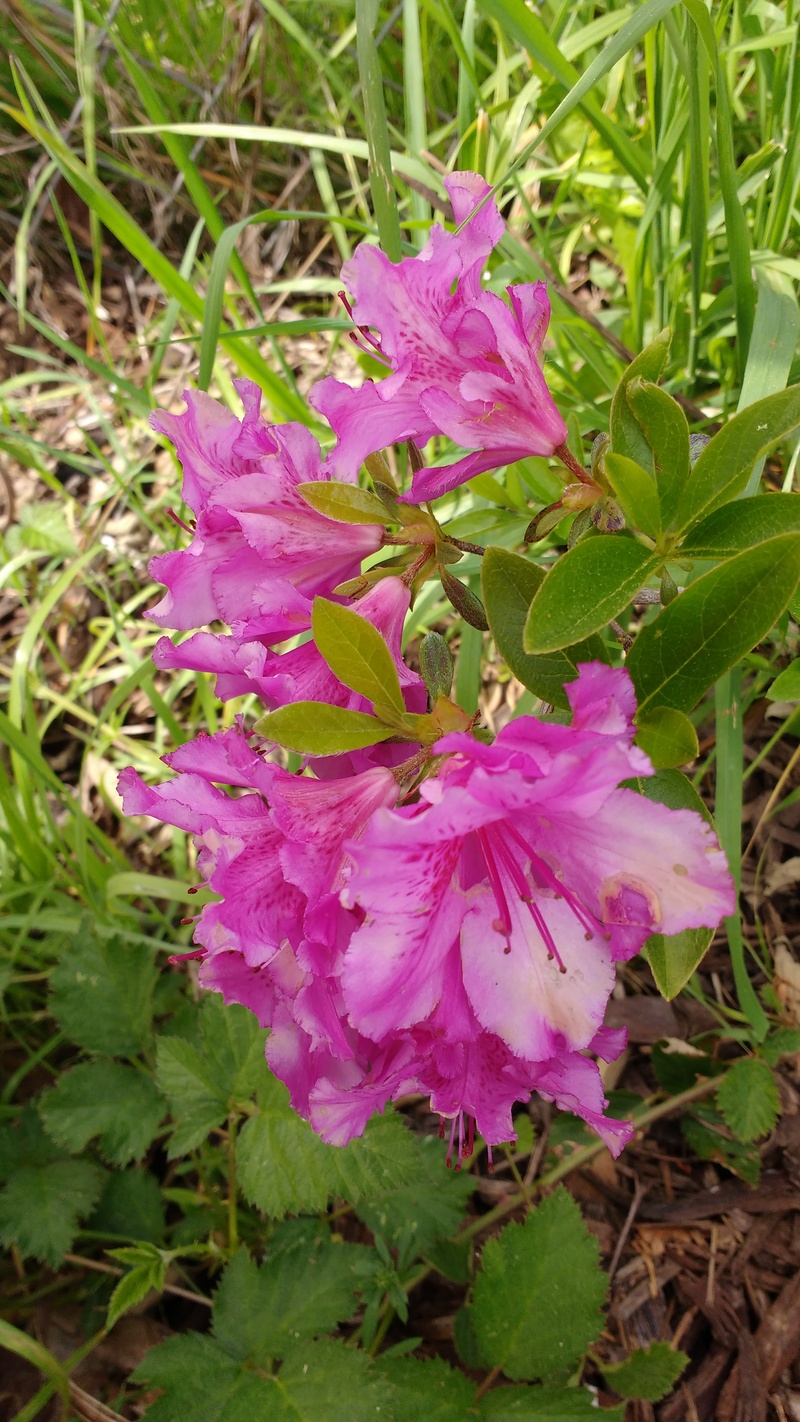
436 665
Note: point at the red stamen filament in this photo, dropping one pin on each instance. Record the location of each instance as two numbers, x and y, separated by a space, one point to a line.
584 918
503 922
185 526
196 956
523 889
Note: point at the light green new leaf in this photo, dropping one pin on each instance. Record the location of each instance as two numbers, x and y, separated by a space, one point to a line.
346 503
627 436
636 492
722 470
712 624
649 1373
786 686
117 1103
537 1298
356 653
748 1099
314 728
588 586
667 433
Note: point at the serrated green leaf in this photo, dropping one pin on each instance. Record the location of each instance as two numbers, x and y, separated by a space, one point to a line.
673 959
233 1046
509 584
705 1131
426 1387
786 686
131 1206
748 1098
102 994
649 1373
667 433
636 493
346 503
545 1404
116 1103
536 1303
626 433
783 1043
284 1167
718 618
742 524
131 1289
44 526
722 470
259 1313
587 587
197 1101
313 728
667 737
430 1209
356 653
41 1205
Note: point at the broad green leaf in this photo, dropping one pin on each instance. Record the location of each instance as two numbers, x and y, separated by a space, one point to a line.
667 433
426 1387
41 1205
723 467
673 789
545 1404
116 1103
131 1206
712 624
742 524
588 587
356 653
148 1272
667 736
102 994
509 584
627 436
673 960
346 503
260 1313
314 728
786 686
285 1168
710 1139
636 493
649 1373
198 1103
421 1213
536 1303
783 1043
748 1099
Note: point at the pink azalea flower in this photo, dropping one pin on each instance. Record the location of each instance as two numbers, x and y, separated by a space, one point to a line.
463 362
259 551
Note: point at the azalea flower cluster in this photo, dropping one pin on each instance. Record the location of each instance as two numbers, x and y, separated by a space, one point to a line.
443 919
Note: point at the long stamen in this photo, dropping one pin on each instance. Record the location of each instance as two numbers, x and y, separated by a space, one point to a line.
523 889
363 333
449 1161
196 956
185 526
502 924
542 869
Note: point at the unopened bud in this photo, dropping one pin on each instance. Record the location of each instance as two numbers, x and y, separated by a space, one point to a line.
607 516
464 600
436 665
669 589
580 496
600 447
544 522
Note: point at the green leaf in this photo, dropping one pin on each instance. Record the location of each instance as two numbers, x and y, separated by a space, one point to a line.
536 1304
130 1207
356 653
41 1205
197 1102
673 789
742 524
673 959
667 736
425 1211
627 436
712 624
748 1099
345 502
284 1167
260 1313
233 1046
14 1340
545 1404
786 686
137 1283
667 433
509 585
636 493
102 994
313 728
116 1103
588 586
706 1133
783 1043
426 1387
43 525
649 1373
436 666
722 469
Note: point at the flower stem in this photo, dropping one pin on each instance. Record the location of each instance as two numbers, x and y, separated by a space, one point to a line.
564 453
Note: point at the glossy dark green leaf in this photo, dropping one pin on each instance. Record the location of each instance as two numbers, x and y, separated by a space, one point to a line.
742 524
667 433
344 502
673 960
313 728
627 436
636 493
356 653
712 624
667 736
509 584
722 470
588 586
